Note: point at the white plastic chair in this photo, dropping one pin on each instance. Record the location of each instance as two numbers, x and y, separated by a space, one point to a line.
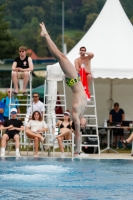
11 142
66 143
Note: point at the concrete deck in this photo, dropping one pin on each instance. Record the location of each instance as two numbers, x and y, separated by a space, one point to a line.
84 156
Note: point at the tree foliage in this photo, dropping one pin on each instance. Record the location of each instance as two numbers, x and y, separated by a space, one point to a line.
68 41
89 20
24 17
8 44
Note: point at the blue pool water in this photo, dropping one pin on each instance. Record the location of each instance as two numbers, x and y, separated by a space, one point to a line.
61 179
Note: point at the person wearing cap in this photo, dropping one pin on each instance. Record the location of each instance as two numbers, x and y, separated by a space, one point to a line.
12 126
6 102
21 67
64 132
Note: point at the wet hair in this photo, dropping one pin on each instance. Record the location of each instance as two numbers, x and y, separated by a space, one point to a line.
116 104
82 48
22 48
40 117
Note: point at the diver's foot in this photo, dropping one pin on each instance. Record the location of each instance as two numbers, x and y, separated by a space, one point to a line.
43 29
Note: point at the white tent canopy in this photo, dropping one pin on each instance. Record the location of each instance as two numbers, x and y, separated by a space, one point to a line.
110 38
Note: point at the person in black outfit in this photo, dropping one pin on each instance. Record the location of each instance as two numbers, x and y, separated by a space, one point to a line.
21 67
65 128
117 115
64 131
12 127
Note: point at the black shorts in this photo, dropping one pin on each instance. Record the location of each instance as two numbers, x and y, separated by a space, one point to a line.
11 135
5 118
118 131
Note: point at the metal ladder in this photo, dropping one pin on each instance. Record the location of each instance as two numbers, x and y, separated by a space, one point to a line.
91 116
50 99
24 101
51 95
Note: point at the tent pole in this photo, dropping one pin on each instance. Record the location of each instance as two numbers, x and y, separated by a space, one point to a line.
63 26
111 93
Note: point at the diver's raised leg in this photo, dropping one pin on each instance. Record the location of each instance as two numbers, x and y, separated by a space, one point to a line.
65 64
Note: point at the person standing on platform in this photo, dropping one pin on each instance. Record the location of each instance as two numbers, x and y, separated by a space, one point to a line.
21 67
117 115
79 97
84 61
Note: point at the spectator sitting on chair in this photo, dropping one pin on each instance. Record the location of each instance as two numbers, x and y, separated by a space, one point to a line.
65 129
34 129
127 141
1 112
6 102
64 132
12 126
117 115
37 106
21 67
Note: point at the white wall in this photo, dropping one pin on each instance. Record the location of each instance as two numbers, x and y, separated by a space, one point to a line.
122 92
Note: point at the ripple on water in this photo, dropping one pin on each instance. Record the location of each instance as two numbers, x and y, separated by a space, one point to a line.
66 179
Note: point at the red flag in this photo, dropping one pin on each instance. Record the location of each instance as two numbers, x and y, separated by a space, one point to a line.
84 81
